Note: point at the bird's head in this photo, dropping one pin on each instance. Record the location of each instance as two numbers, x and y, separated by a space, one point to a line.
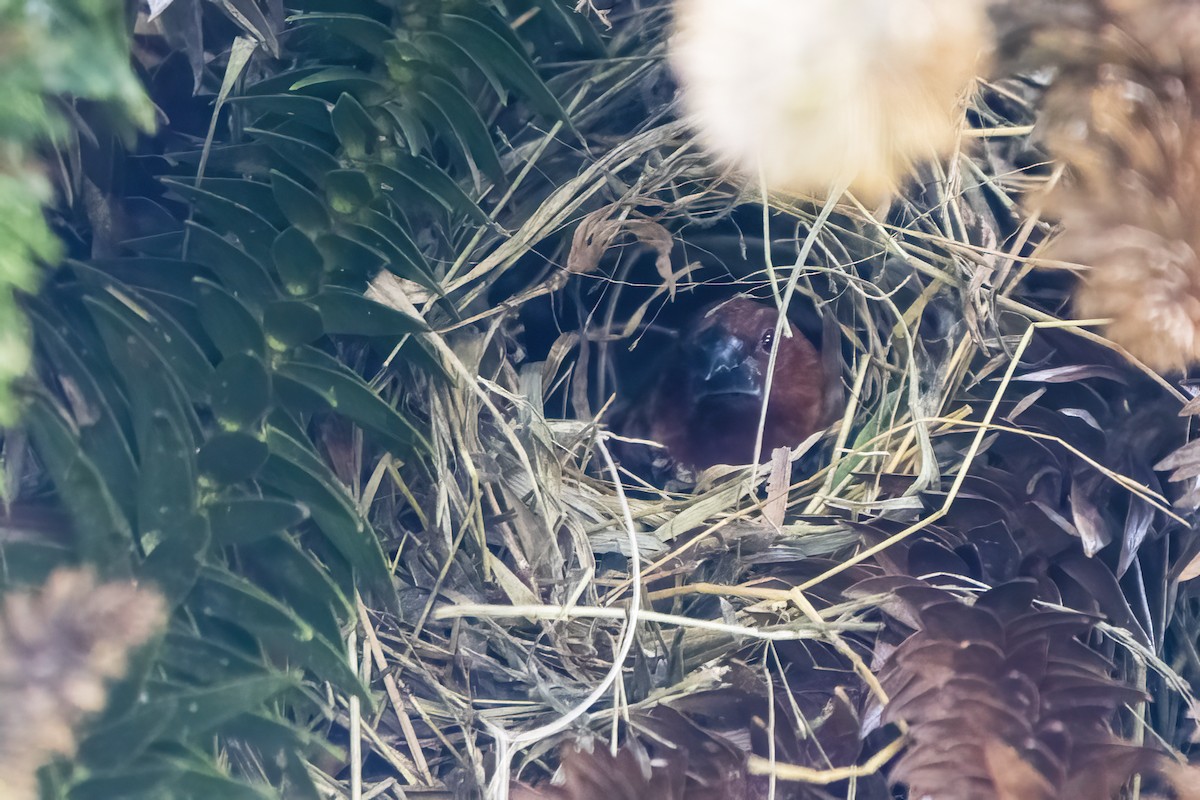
706 402
726 353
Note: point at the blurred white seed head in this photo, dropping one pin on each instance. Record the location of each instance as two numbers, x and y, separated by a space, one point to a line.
814 93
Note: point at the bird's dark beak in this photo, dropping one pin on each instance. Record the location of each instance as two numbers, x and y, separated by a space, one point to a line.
721 365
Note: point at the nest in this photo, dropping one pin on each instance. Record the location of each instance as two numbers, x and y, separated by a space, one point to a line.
565 606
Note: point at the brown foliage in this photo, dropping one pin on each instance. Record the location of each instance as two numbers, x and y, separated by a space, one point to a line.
700 750
1003 700
59 645
1121 115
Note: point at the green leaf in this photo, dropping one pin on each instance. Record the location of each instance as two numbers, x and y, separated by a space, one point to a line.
411 173
198 711
302 208
389 237
226 596
297 472
232 457
252 231
488 15
290 323
144 782
350 260
299 263
277 83
250 159
193 775
104 534
168 340
131 341
258 195
129 691
312 111
276 735
466 124
299 399
161 425
168 275
227 321
571 21
284 745
312 162
174 343
334 81
291 422
354 399
355 129
348 190
438 49
250 519
166 483
175 562
101 435
167 244
290 574
29 563
207 784
157 776
241 391
113 745
350 313
491 50
244 276
411 129
361 31
205 660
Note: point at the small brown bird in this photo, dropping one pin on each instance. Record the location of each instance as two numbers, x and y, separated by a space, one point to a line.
704 407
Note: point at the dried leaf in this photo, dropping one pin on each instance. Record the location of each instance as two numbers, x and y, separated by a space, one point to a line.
1191 571
599 231
777 487
1014 777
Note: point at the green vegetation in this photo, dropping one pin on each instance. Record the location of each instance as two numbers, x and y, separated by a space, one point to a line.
327 356
43 72
190 366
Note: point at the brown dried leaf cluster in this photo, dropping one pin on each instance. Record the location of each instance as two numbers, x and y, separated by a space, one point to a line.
1002 698
631 775
701 749
59 645
598 231
1122 116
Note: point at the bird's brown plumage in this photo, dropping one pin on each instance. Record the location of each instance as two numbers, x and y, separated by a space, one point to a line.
705 405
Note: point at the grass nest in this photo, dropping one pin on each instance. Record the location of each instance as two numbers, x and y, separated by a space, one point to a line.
558 602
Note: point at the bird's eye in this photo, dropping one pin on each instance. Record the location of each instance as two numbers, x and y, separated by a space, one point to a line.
768 338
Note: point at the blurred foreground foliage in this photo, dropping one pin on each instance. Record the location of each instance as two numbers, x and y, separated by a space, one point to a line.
208 325
43 74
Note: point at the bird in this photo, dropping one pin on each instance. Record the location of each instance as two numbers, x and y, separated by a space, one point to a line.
705 405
